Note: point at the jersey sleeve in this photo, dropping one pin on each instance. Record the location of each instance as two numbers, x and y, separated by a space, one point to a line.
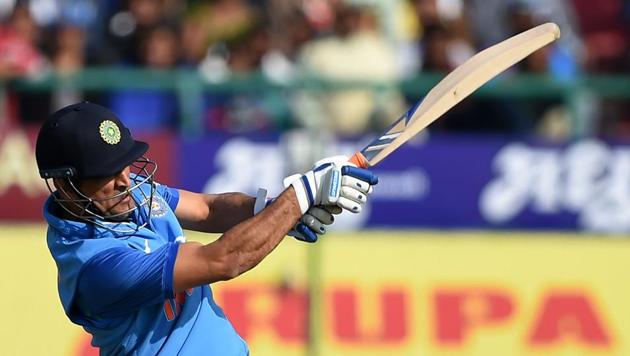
170 195
120 280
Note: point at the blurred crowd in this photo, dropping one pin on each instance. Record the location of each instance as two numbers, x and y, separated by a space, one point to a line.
378 40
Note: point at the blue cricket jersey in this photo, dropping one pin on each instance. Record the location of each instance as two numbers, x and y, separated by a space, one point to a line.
119 287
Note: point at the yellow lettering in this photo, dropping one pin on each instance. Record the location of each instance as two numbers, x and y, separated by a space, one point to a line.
18 165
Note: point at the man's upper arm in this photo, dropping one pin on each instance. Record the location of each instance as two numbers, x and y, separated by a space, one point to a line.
189 208
192 209
121 280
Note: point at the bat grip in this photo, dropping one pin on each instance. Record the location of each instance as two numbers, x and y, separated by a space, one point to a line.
359 160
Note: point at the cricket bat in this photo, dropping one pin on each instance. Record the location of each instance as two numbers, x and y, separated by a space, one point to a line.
456 86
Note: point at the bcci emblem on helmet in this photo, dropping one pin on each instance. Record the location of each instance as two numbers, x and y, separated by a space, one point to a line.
110 132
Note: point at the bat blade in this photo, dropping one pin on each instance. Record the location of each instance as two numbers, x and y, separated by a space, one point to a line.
456 86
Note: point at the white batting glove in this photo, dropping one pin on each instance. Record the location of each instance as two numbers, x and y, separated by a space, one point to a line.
333 181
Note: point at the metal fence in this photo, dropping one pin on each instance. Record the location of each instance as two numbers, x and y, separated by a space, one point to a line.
189 86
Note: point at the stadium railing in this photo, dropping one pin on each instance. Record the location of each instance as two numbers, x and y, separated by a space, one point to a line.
190 86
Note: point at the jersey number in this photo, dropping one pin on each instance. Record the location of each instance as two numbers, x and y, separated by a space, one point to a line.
173 307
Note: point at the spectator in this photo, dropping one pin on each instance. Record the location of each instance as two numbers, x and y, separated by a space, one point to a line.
20 57
280 62
225 20
68 58
605 28
332 39
522 19
69 54
445 44
130 28
606 35
19 52
160 49
546 117
356 51
436 42
244 110
151 110
427 13
194 40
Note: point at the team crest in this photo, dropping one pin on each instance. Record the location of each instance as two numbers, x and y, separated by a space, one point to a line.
110 132
158 207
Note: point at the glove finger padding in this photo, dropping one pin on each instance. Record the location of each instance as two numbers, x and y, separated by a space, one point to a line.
349 205
362 186
303 233
321 214
314 223
363 174
354 195
333 209
356 185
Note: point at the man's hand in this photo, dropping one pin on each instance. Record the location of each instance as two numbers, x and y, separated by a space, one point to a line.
313 223
333 181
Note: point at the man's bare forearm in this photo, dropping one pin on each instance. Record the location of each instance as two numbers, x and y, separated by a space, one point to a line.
240 248
252 240
220 212
229 209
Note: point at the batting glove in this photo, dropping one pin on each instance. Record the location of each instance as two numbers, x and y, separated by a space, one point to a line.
311 225
333 181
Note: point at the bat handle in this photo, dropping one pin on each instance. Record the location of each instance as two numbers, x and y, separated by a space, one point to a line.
359 160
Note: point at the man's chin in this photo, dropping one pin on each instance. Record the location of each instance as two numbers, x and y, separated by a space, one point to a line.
121 216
